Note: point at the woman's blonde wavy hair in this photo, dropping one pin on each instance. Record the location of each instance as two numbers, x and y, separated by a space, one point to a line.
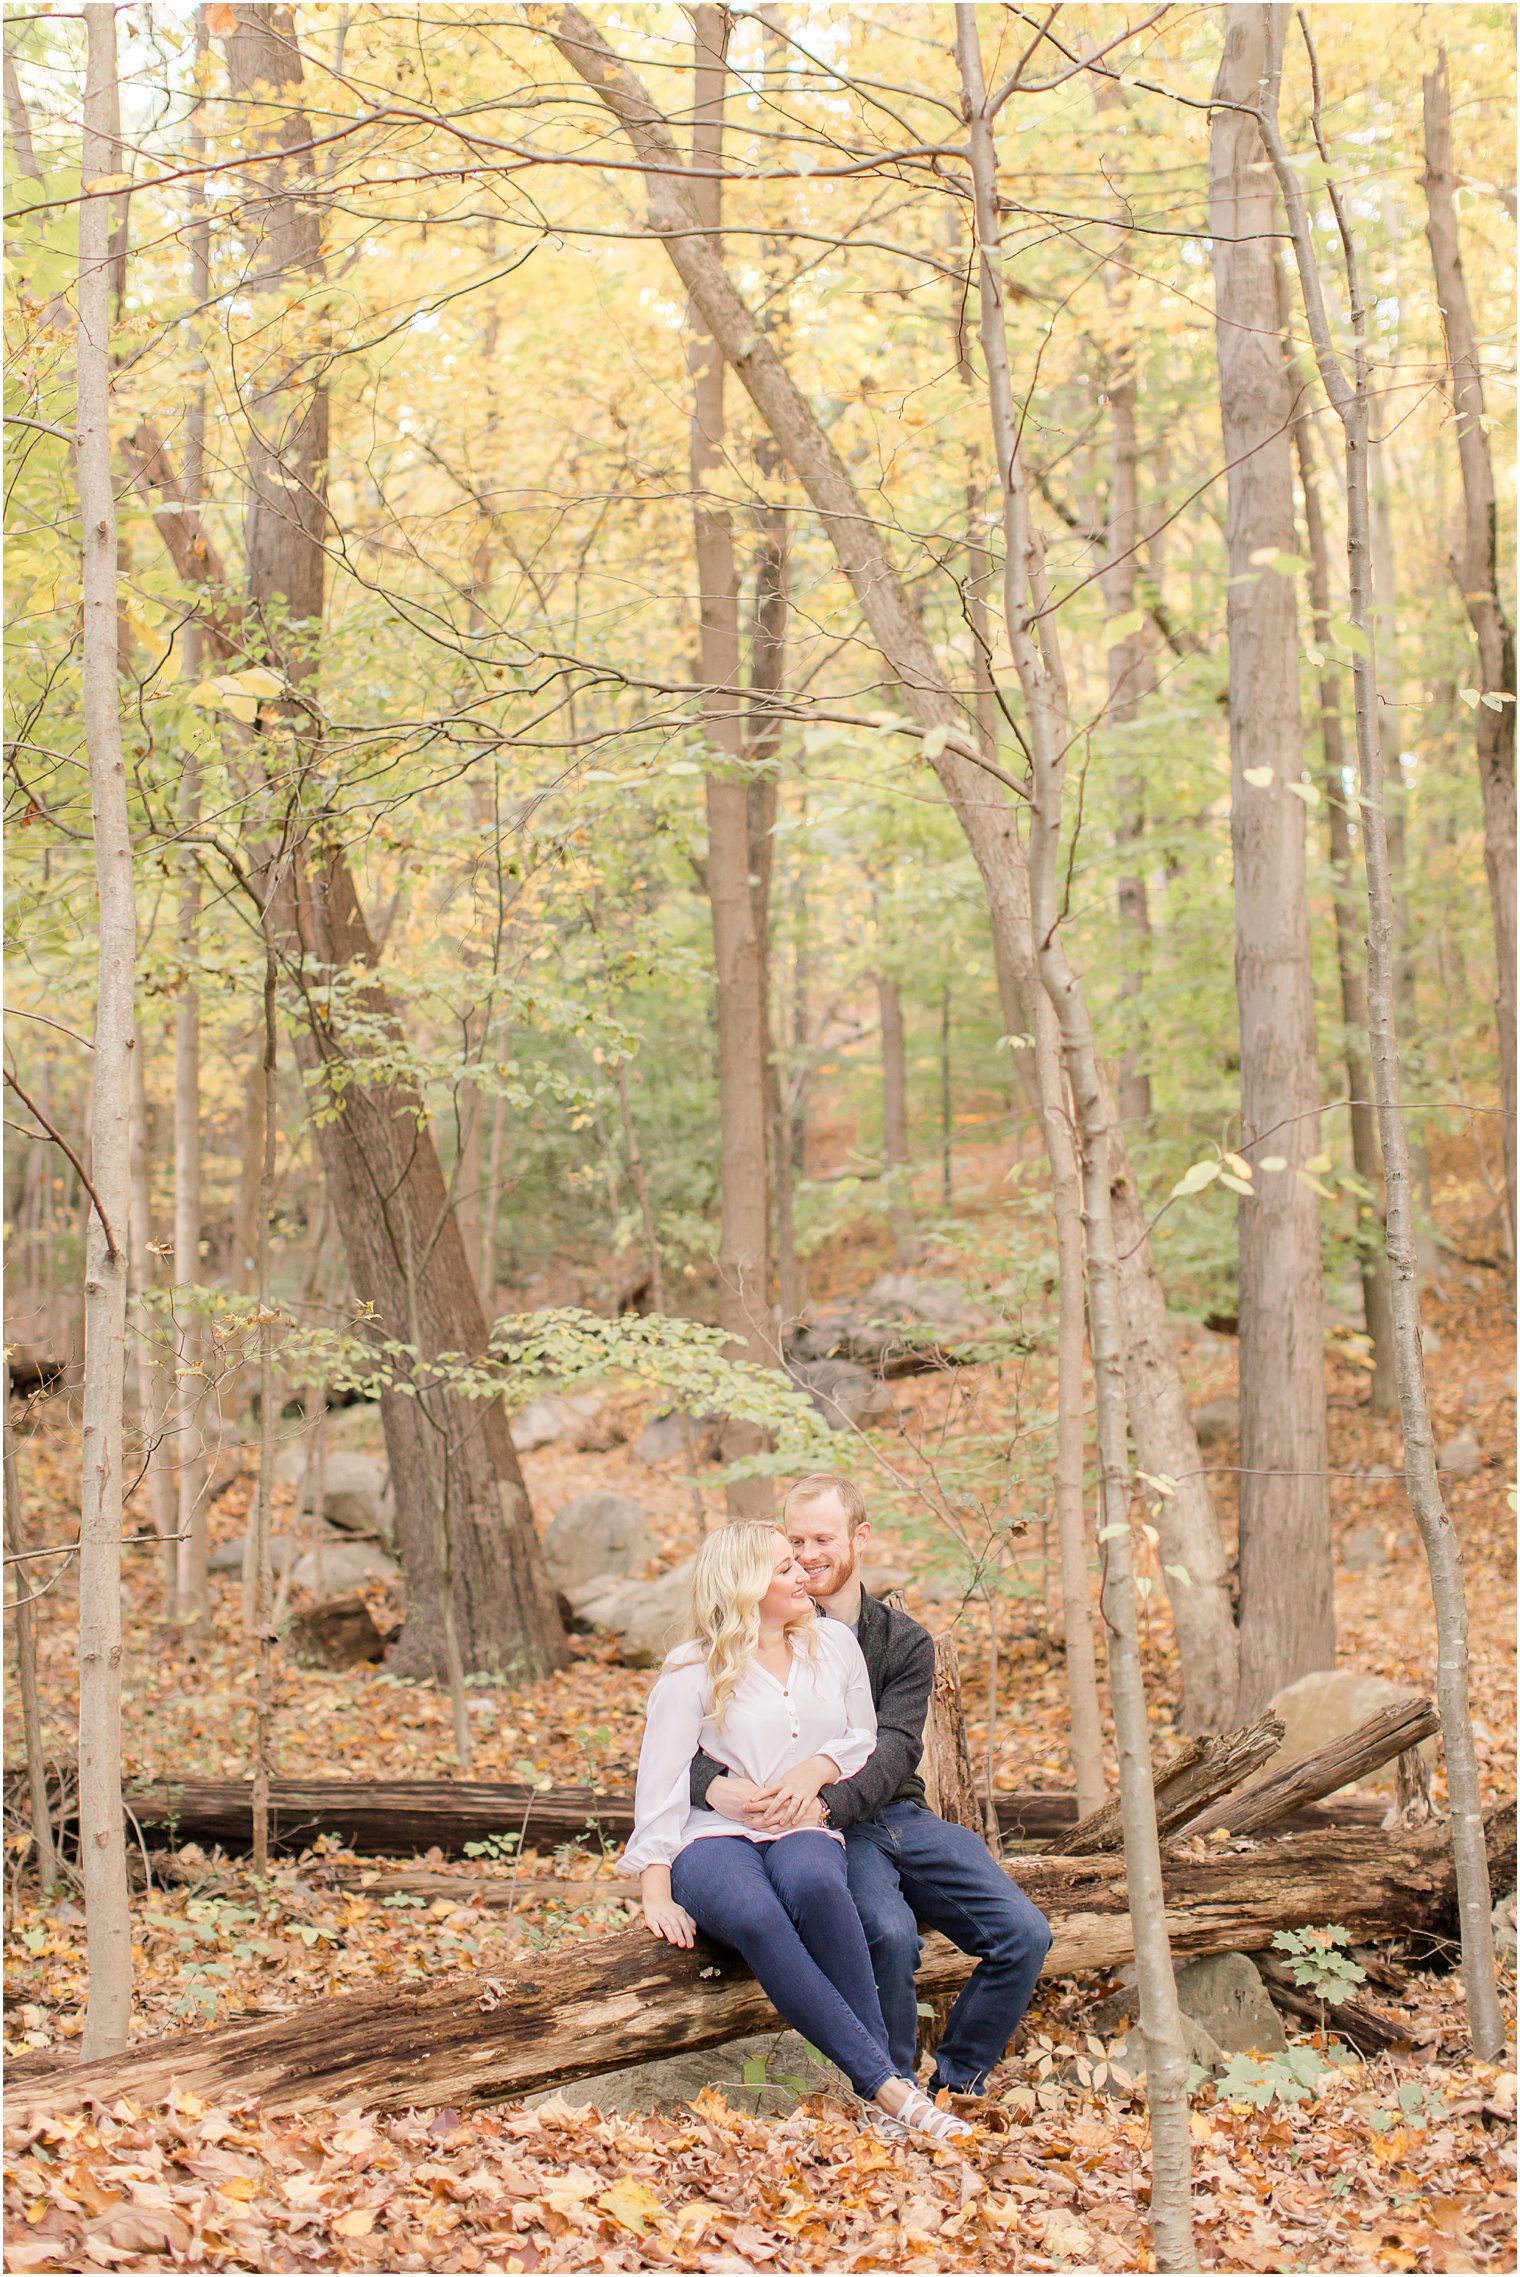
732 1574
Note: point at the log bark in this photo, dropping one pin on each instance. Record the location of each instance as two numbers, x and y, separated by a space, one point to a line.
389 1818
946 1769
1321 1772
625 1999
1366 2029
1197 1773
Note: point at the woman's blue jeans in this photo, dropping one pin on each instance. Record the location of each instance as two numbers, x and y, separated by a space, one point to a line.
785 1905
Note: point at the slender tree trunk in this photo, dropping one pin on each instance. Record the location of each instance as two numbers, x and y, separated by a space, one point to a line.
1130 671
191 1597
491 1209
152 1406
18 125
1287 1577
894 1118
744 1241
1366 1155
102 1848
1165 1442
269 1421
1038 1073
1443 1551
21 1570
1037 660
946 1117
1477 574
1385 608
406 1255
244 1263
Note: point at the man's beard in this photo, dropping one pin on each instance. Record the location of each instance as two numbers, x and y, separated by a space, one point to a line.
831 1579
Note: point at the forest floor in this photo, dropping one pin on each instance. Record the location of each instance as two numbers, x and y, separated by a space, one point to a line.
1399 2163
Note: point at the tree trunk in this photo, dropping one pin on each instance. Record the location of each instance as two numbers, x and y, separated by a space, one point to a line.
262 1623
152 1406
1477 575
1190 1535
452 1461
626 1999
21 1569
190 1593
948 1773
1442 1549
1287 1577
1130 671
1033 641
102 1848
744 1239
1366 1156
894 1117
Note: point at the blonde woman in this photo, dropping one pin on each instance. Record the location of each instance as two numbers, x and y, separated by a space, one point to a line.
782 1700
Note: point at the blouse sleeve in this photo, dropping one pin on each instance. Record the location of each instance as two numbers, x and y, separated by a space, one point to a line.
858 1740
662 1797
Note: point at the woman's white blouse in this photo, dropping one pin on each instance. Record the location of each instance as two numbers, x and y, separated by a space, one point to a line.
824 1708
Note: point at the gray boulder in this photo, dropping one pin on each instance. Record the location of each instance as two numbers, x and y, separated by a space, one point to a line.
596 1534
673 2080
227 1557
1224 1993
545 1422
646 1617
846 1396
1329 1702
1198 2042
664 1435
337 1566
1504 1931
1363 1550
356 1489
1461 1457
1217 1420
943 1305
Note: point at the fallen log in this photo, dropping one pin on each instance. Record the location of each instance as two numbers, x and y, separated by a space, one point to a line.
1392 1731
621 2000
1201 1769
389 1817
1365 2029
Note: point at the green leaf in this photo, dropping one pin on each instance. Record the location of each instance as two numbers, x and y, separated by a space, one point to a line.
1347 635
1111 1533
754 2072
1194 1179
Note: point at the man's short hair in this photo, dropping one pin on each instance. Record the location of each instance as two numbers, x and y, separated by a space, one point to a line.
816 1485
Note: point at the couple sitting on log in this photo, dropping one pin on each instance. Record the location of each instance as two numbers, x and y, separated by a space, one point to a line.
791 1723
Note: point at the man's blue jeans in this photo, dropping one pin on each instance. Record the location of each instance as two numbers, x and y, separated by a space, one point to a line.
906 1866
